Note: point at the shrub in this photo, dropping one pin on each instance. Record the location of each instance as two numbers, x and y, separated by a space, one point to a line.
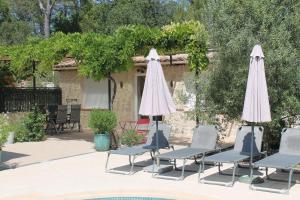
31 127
21 132
102 121
3 130
131 137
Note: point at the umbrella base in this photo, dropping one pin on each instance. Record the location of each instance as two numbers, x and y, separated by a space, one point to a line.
247 179
158 169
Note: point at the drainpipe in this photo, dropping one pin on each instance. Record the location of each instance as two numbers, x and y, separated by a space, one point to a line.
109 92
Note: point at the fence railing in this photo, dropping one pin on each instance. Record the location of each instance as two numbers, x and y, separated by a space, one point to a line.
23 99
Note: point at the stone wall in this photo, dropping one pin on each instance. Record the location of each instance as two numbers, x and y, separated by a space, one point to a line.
125 97
70 82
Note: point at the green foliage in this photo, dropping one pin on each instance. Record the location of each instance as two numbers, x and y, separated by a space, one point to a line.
4 11
31 127
4 129
98 55
106 16
21 132
14 32
131 137
102 121
14 29
236 27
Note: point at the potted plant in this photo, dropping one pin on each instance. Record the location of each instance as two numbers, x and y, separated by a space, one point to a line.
103 123
131 137
3 133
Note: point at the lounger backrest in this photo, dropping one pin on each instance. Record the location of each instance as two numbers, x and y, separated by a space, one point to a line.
243 139
290 141
163 135
205 137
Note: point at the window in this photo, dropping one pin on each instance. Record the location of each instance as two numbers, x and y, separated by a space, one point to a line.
95 94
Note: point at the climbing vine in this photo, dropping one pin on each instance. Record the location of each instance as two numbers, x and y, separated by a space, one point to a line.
99 55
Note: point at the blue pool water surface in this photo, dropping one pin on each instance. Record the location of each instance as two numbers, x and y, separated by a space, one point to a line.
130 198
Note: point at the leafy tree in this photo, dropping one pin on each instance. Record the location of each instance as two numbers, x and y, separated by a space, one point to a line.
239 25
12 29
66 16
106 16
14 32
4 11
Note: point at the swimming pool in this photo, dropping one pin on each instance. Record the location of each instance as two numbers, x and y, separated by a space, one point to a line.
130 198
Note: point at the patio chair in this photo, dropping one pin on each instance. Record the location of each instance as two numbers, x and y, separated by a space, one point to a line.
61 118
75 116
203 142
240 152
150 146
142 128
51 118
287 158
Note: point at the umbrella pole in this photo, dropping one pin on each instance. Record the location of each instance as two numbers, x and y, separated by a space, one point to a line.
156 119
251 149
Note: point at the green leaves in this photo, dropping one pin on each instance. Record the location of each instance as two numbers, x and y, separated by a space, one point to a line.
236 26
98 55
102 121
131 137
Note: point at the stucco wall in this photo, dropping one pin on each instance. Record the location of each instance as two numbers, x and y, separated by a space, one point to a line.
125 101
70 82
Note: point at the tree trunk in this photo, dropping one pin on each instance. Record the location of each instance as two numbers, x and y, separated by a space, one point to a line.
46 10
46 26
197 104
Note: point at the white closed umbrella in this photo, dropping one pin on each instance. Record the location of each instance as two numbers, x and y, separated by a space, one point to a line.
156 98
256 104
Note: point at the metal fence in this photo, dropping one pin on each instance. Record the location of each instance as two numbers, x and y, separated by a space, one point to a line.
23 99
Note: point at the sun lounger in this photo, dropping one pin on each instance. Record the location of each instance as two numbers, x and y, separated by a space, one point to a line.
203 142
150 146
239 153
287 158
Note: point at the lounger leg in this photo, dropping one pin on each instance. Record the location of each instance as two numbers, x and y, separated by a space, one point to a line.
129 159
233 174
155 163
290 180
201 169
267 170
132 165
182 171
106 164
219 168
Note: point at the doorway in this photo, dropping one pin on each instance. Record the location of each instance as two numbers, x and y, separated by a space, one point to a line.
139 89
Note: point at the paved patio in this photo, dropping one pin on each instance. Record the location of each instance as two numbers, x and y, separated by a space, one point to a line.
54 147
83 177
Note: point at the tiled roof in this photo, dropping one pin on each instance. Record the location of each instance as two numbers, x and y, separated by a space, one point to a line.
69 63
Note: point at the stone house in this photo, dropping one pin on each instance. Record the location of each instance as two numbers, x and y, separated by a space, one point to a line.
94 94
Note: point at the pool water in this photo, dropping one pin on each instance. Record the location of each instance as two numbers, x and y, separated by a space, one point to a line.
130 198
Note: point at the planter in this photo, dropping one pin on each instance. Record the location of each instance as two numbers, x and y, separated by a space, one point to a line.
102 141
10 138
